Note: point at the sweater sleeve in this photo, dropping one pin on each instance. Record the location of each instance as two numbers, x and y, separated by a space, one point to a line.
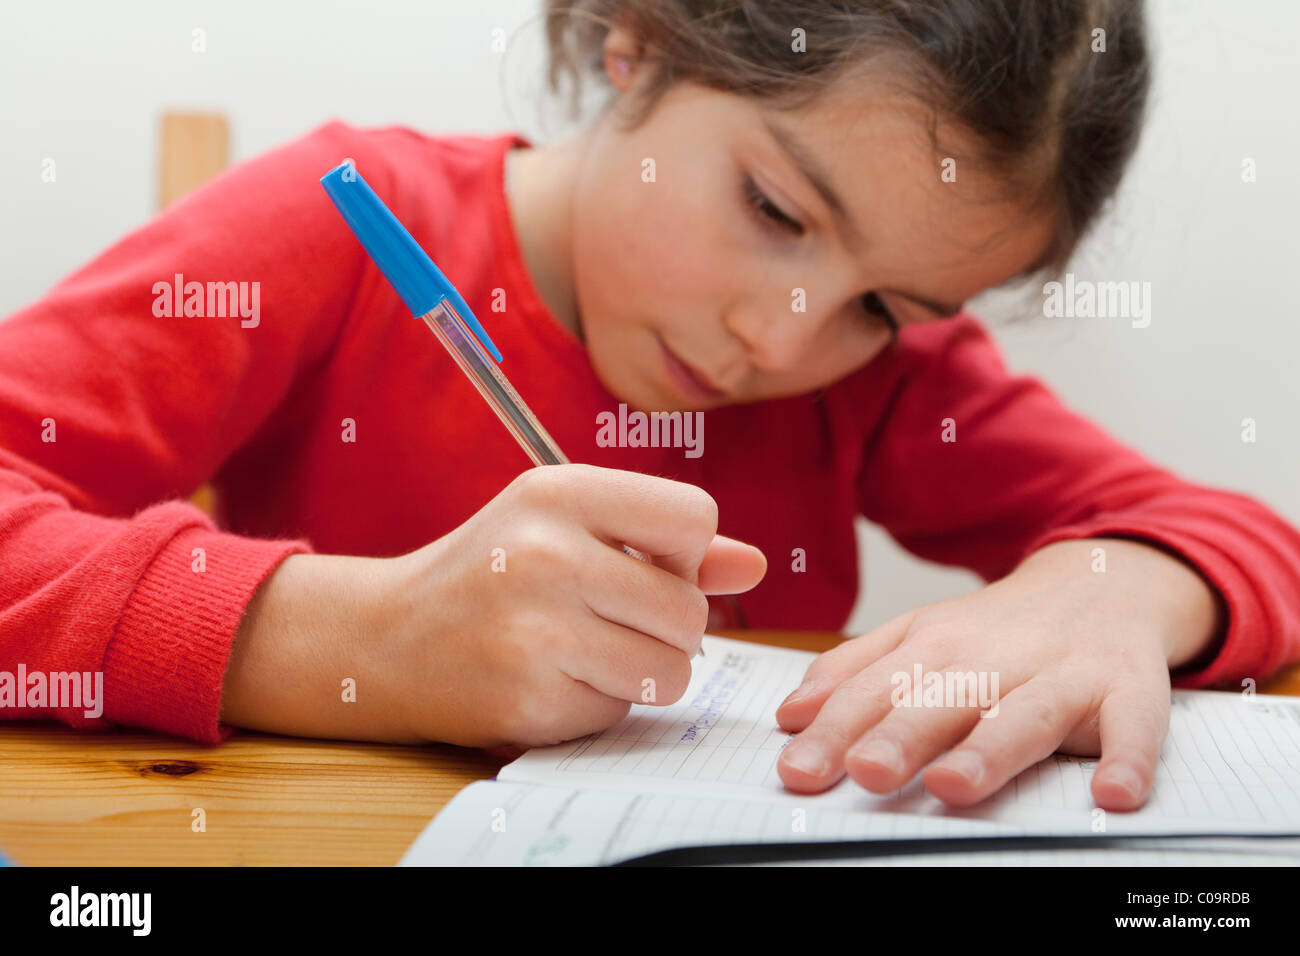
972 466
117 398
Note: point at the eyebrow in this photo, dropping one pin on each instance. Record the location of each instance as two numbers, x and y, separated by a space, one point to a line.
814 172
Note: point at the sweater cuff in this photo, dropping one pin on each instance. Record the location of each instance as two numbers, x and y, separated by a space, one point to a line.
1246 648
166 661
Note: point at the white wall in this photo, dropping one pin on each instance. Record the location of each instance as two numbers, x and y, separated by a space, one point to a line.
1220 254
83 82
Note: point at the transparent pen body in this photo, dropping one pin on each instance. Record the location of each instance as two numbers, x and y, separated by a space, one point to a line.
465 348
496 390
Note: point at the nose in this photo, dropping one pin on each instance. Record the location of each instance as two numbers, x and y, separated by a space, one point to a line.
775 335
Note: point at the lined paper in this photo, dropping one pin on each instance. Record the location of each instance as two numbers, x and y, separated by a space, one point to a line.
518 824
1228 760
703 771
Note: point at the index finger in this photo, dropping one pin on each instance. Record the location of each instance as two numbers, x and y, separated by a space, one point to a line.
670 521
837 665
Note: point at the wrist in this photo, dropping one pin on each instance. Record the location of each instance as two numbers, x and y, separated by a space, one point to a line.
1188 609
303 661
1154 585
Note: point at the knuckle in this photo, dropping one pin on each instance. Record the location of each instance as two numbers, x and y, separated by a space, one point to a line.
528 640
865 687
689 502
517 641
619 711
837 660
548 730
609 713
693 614
535 719
1042 713
939 633
1148 710
703 509
536 543
674 678
816 671
523 485
539 487
522 721
834 735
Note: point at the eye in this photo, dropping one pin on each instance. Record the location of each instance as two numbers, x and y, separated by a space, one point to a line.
872 305
766 211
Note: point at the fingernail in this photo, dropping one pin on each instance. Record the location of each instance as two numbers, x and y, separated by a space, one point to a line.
800 692
884 753
965 764
1126 778
808 758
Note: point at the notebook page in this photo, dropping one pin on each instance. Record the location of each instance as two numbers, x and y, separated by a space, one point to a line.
1230 762
1164 853
514 824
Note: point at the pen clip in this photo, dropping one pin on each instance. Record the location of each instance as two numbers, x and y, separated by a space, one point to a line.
394 250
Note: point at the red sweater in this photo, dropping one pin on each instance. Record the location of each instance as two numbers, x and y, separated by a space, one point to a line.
98 548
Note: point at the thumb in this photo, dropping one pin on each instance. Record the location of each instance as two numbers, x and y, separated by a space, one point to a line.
730 566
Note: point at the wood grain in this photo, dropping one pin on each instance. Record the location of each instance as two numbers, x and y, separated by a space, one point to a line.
71 798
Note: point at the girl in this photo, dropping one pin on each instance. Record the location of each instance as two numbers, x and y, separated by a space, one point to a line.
775 222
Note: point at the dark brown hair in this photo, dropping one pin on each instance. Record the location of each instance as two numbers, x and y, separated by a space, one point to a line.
1056 118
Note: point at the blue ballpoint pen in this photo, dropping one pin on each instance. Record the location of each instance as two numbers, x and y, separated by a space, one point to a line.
432 298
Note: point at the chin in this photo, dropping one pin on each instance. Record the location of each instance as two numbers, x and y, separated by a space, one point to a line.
621 382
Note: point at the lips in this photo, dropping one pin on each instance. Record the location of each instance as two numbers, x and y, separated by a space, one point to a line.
687 379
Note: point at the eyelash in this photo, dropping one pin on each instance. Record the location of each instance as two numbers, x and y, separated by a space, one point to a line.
872 305
770 216
767 212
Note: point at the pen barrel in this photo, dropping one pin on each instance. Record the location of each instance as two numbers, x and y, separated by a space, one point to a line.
495 388
479 368
407 267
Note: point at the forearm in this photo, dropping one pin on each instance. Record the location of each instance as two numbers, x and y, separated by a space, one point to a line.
310 628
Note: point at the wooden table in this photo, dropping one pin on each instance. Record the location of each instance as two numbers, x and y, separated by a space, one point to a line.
71 798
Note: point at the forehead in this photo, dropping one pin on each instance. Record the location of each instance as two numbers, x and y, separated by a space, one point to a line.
911 184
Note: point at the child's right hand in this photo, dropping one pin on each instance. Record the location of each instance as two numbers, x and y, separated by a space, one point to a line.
526 625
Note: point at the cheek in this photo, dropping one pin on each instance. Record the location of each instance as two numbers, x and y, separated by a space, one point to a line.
842 349
637 244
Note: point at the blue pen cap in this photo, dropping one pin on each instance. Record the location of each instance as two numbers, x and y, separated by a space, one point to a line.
412 273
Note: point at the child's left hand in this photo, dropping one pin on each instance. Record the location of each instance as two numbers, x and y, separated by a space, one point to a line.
1082 660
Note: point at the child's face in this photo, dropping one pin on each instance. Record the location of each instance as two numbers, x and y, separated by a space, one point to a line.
696 267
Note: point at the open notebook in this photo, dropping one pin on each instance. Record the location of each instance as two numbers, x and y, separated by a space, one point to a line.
703 771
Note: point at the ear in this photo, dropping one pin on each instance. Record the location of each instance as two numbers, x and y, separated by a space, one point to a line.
624 53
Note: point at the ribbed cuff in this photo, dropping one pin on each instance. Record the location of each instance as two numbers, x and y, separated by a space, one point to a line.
164 666
1246 649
